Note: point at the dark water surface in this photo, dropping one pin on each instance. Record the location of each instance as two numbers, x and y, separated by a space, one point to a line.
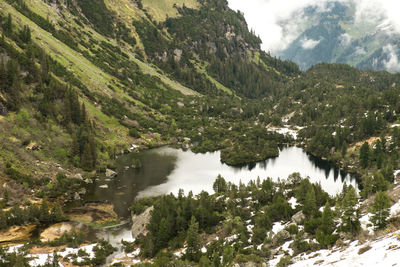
166 170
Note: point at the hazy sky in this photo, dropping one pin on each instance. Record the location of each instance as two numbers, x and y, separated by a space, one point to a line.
278 22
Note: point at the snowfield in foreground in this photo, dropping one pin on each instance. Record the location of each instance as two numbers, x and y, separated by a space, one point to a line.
384 251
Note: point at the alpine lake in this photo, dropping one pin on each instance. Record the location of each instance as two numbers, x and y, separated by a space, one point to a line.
165 170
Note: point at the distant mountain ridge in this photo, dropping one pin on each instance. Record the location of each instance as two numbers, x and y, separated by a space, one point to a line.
334 36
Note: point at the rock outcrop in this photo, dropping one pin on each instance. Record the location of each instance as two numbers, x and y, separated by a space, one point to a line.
57 230
110 173
298 217
140 222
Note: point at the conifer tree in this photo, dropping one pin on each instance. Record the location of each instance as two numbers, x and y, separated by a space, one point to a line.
25 34
20 261
75 108
3 220
327 227
162 235
350 212
87 158
344 149
310 203
368 187
75 146
83 113
93 151
56 214
380 184
44 212
380 210
364 155
3 74
204 262
44 67
7 27
193 241
219 185
55 262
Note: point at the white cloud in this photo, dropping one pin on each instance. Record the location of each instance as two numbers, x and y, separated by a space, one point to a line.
360 51
309 44
280 22
277 22
392 64
378 13
345 39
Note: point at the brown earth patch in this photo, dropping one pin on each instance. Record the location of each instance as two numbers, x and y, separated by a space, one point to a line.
94 213
17 234
45 250
370 141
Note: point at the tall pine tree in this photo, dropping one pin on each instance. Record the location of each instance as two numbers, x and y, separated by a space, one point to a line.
310 203
350 212
364 155
325 231
193 241
380 210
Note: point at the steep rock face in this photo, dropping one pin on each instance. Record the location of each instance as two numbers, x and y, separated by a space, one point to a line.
140 222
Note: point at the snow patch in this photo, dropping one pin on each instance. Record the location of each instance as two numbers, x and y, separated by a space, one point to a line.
293 202
41 259
285 131
231 238
180 253
134 253
395 210
382 252
277 227
250 228
366 223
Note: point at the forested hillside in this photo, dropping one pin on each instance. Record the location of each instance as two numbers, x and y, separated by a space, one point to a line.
127 77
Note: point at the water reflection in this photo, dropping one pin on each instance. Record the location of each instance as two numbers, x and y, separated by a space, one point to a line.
166 170
197 172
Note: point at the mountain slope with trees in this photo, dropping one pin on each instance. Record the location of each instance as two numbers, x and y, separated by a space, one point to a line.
340 34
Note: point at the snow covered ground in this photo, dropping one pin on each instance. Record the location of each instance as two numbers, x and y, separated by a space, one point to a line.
285 131
41 259
382 252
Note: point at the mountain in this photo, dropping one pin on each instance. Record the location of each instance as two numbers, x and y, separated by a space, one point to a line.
336 35
127 67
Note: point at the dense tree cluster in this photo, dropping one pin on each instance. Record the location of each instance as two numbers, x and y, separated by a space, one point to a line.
185 220
172 217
